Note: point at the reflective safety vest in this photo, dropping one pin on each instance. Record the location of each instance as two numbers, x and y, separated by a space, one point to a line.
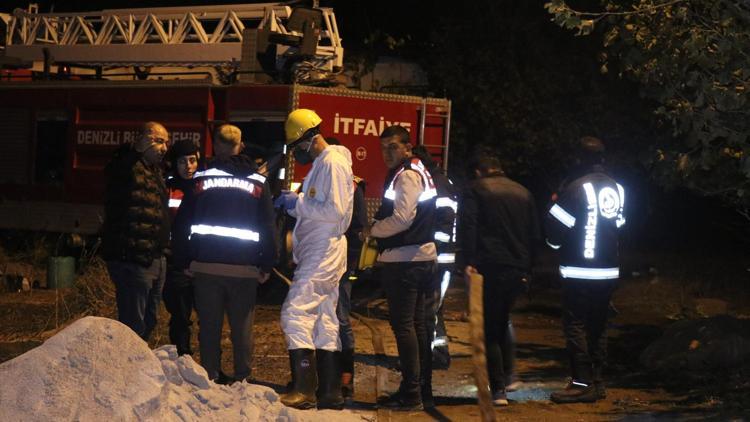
175 197
583 223
225 226
422 228
446 210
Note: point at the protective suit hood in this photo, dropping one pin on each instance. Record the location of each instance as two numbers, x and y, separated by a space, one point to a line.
342 150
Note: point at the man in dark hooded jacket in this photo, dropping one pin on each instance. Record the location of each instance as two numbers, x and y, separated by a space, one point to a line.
446 207
136 228
232 249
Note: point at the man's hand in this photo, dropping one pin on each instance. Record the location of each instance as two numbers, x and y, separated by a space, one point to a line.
286 201
365 233
188 273
468 272
263 277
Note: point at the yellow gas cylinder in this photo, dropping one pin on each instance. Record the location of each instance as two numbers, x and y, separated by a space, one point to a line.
369 254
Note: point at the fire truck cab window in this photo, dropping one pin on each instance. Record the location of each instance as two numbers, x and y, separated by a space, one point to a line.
263 139
49 156
264 142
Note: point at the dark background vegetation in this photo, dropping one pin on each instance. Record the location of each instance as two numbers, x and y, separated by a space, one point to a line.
530 89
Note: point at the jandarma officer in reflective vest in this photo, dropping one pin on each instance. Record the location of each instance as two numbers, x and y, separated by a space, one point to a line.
184 157
583 224
405 232
232 249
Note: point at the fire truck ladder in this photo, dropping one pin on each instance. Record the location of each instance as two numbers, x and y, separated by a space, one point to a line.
160 36
427 120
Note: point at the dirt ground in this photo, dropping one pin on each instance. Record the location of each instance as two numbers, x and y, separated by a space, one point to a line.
646 304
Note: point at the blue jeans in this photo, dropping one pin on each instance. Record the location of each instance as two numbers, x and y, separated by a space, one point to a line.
138 293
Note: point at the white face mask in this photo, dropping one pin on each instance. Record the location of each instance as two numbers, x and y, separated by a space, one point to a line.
303 156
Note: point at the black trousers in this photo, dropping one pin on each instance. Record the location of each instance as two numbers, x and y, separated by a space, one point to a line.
502 285
405 285
434 320
214 296
585 307
179 299
344 306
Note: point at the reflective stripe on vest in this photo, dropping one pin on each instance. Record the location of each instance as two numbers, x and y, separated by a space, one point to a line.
562 216
446 258
620 217
442 237
217 172
445 201
242 234
589 273
211 172
429 191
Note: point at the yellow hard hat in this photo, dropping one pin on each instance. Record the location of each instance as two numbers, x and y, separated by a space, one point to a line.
299 122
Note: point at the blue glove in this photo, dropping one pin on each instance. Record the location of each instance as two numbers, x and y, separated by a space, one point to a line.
286 201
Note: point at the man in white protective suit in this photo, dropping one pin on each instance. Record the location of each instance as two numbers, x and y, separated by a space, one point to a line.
323 211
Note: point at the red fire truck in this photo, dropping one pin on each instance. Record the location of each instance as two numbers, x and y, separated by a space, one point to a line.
59 129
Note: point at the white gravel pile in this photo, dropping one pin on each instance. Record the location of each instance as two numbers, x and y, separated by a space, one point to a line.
97 369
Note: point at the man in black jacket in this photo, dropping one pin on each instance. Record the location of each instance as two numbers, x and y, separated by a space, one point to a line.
232 248
583 223
498 233
136 228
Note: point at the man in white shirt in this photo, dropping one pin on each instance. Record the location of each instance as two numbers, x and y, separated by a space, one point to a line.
404 229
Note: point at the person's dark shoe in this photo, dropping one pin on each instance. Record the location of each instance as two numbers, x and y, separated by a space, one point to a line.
441 357
575 392
499 398
224 379
329 380
401 402
428 402
601 391
346 362
347 386
304 380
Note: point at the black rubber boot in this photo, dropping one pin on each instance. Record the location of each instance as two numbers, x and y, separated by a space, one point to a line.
304 380
329 381
346 359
